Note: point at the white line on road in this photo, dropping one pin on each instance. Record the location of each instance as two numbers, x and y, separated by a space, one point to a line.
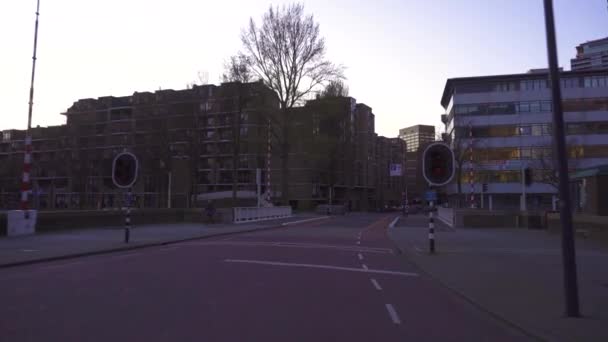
358 242
360 256
364 266
393 314
291 245
394 222
376 285
302 221
327 267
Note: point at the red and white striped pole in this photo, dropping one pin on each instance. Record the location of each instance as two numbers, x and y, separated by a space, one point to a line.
471 183
27 167
27 156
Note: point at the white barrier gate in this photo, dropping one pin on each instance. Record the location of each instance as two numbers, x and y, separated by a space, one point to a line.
252 214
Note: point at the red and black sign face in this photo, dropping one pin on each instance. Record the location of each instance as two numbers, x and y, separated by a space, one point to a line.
438 164
124 170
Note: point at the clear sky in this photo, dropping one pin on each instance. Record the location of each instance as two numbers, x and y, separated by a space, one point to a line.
398 53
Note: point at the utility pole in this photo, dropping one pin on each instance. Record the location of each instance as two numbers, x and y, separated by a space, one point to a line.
568 249
27 156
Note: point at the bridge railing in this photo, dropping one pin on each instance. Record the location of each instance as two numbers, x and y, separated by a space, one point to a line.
252 214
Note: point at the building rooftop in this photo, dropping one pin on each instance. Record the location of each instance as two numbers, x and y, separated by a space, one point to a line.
452 82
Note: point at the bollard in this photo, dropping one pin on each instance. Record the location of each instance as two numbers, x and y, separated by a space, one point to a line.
128 218
431 230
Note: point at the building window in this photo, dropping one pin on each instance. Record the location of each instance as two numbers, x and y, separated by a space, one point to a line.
596 81
533 84
525 130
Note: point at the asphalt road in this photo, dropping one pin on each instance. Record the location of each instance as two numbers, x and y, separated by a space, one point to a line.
330 280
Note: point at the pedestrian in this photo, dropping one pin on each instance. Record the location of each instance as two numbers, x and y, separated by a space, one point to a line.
210 210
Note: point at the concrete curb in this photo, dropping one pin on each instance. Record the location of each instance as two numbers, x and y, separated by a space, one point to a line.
132 247
525 331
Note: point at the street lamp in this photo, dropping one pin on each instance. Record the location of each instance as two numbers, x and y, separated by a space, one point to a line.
568 250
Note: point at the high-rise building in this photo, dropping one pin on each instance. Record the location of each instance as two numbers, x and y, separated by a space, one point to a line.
505 121
417 136
592 55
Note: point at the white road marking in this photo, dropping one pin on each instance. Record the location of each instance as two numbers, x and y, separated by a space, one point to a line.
394 222
360 256
417 249
376 285
364 266
327 267
393 314
28 250
358 242
292 245
302 221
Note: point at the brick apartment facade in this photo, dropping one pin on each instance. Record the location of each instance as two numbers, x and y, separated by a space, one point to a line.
204 143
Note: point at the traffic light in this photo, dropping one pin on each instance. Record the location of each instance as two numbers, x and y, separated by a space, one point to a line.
527 176
124 170
438 164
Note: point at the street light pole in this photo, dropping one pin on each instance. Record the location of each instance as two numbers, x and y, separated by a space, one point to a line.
568 249
27 155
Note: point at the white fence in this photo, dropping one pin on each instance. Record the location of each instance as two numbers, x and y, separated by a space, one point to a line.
251 214
446 215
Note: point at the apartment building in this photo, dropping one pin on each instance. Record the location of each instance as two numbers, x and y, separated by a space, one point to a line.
208 139
591 55
417 136
204 143
506 122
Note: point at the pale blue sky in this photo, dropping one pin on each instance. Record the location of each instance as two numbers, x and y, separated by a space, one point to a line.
398 54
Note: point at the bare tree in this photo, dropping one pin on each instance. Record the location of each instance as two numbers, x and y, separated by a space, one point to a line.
237 69
335 88
548 164
288 54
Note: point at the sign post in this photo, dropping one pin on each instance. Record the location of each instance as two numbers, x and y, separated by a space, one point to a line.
124 175
438 170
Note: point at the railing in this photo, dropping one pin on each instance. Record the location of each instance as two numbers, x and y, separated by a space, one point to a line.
251 214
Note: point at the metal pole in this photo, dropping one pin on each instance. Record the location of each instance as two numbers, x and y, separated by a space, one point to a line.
568 249
431 230
27 155
524 205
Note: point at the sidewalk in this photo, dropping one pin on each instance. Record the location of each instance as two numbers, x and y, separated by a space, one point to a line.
72 243
514 274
